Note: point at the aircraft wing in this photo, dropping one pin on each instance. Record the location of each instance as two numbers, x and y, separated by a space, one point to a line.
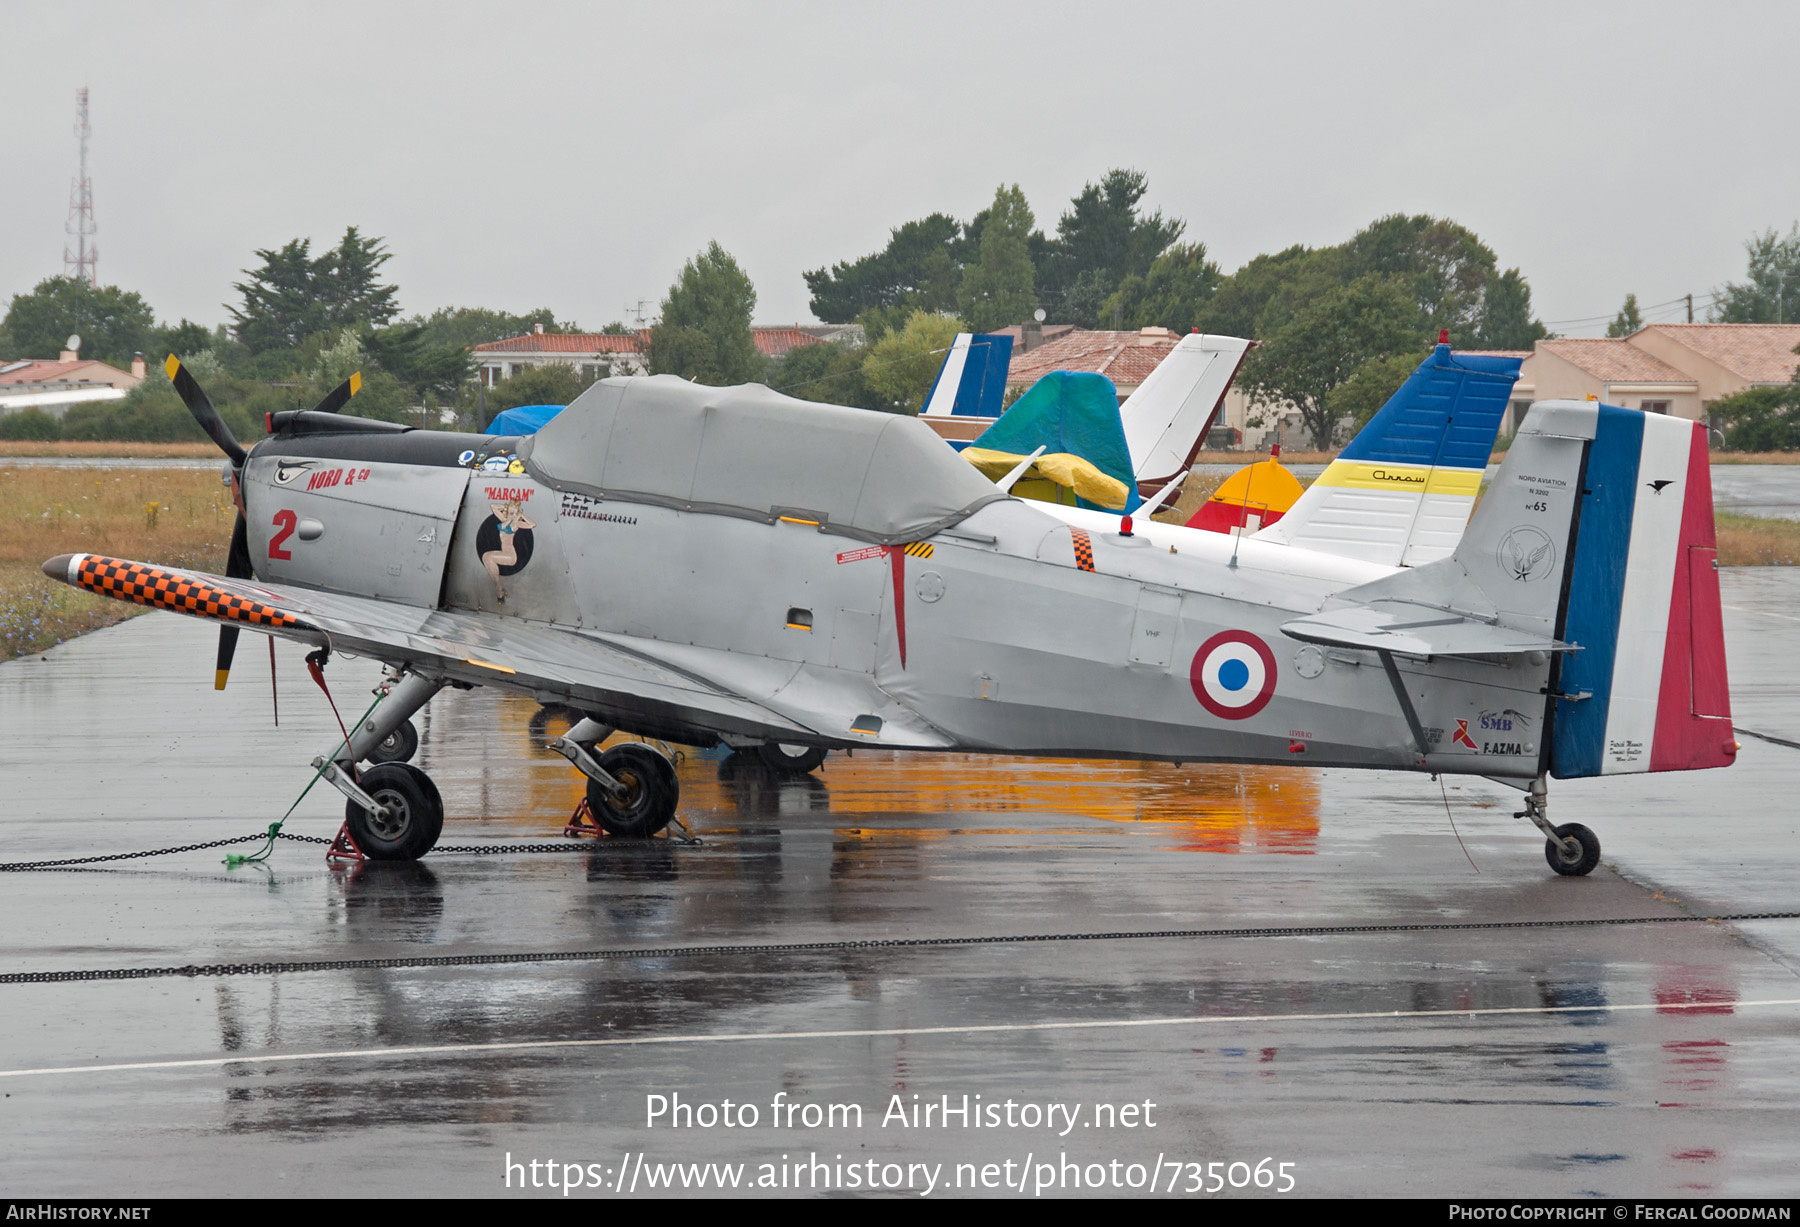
567 665
1416 631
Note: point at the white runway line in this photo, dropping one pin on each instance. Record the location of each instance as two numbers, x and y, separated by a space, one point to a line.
432 1050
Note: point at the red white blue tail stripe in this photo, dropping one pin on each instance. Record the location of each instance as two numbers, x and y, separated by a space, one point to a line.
1644 608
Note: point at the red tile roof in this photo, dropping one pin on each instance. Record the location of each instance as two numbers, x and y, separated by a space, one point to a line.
1614 360
1126 358
567 343
772 341
1759 353
84 370
776 341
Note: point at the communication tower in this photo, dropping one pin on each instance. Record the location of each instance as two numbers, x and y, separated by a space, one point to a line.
84 260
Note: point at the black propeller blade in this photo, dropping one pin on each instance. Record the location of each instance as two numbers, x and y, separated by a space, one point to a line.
237 561
340 396
201 407
237 566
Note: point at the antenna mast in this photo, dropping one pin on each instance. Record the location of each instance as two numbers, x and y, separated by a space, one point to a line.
84 261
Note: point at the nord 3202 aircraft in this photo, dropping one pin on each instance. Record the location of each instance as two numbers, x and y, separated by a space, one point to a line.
703 564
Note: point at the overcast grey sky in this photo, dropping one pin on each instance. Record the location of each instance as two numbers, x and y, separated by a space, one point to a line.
574 155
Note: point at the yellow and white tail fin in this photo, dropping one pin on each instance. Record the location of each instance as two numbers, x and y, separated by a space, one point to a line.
1400 494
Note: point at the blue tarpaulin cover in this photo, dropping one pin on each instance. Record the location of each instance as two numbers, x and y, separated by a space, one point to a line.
1069 411
525 420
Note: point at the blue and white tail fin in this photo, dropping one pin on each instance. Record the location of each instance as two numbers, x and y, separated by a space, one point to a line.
972 381
1166 419
1401 492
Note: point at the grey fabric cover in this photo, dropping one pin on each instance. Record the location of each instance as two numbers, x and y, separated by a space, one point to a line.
750 451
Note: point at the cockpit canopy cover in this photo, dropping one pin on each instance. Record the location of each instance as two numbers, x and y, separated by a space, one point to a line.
749 451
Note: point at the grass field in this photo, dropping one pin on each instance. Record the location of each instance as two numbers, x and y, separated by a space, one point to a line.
109 451
177 516
183 517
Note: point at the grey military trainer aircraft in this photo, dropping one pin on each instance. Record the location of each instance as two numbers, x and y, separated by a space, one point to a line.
703 564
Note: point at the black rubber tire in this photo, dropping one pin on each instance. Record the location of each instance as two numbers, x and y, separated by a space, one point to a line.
1573 866
398 746
415 814
437 800
651 792
791 759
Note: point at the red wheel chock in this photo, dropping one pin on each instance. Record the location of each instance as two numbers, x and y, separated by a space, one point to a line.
582 824
343 850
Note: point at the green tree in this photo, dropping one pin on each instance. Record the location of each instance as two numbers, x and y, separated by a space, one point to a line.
901 366
1763 419
466 327
997 288
1371 386
1771 295
831 373
917 270
554 384
704 333
1627 321
406 352
1100 240
1506 319
1172 294
185 340
1237 307
1444 265
294 295
1324 342
31 423
113 324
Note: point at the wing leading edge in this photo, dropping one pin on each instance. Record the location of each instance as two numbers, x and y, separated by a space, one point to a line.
611 678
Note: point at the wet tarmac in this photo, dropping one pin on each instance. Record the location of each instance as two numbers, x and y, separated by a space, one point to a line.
1643 1059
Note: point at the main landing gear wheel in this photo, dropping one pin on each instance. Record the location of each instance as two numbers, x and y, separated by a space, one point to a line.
790 759
651 791
398 746
414 818
1578 863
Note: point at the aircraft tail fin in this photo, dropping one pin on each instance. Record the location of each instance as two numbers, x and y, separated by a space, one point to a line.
972 380
1644 606
1401 492
1598 533
1166 419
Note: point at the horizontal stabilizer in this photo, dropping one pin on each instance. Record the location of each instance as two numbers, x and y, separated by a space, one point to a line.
1415 631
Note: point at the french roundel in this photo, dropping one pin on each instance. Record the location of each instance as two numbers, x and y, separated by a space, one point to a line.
1233 675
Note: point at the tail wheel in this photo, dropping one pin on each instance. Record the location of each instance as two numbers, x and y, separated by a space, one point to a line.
413 816
650 792
797 760
1579 861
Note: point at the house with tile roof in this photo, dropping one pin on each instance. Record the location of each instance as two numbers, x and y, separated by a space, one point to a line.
1126 358
53 386
1677 369
594 354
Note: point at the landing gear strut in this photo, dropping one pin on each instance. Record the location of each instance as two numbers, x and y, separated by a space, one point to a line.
632 789
1571 849
393 810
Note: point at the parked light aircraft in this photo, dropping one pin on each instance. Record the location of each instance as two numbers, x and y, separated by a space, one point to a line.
727 564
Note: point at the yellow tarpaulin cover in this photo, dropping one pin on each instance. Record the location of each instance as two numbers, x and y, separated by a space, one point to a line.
1064 469
1264 484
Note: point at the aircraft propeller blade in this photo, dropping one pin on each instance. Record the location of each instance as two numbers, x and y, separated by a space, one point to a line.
237 566
340 396
201 406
